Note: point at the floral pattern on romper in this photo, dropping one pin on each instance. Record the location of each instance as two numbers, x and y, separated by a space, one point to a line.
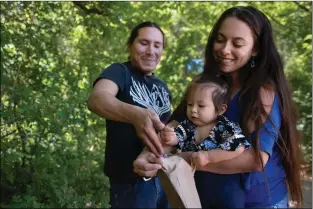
226 135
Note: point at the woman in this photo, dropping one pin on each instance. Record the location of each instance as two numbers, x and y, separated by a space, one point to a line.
241 49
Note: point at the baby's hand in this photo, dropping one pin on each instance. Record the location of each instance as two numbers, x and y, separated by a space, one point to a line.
168 136
200 158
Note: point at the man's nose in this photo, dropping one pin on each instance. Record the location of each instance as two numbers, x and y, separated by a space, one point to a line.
150 49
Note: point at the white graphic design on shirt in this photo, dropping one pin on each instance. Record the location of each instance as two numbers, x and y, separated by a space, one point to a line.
157 99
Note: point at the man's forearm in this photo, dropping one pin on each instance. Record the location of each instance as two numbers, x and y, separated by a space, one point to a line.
109 107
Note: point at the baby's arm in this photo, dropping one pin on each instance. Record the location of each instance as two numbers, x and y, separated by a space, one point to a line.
202 158
168 136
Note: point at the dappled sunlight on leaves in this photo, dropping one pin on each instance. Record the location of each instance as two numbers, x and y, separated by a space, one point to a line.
52 147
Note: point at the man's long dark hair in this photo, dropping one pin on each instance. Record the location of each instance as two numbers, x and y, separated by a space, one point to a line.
134 33
267 73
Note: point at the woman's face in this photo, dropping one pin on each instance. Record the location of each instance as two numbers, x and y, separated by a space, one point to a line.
234 45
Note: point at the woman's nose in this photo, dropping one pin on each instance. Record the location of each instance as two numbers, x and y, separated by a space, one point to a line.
226 48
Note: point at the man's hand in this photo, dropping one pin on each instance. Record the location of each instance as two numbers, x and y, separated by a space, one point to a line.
104 103
200 158
168 136
146 123
147 164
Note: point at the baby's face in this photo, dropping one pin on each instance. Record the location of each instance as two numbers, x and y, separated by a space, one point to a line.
200 107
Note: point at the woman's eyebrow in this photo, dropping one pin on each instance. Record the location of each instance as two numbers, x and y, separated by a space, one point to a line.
235 38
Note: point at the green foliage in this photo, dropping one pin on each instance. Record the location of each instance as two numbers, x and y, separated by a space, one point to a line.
52 147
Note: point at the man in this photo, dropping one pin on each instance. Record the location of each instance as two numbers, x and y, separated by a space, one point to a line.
134 103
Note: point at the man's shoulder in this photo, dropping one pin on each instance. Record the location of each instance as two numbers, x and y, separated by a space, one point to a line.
117 65
117 69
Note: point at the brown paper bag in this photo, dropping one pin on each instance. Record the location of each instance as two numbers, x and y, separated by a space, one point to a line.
177 179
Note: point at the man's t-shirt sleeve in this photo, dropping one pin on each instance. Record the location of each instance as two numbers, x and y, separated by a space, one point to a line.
116 73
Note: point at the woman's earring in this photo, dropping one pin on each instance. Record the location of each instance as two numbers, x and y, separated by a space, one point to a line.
252 64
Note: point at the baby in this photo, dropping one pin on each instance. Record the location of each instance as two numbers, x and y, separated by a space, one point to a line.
205 131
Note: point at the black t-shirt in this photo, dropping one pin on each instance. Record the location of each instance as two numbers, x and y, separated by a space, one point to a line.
122 143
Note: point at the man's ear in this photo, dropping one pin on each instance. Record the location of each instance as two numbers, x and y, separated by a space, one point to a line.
222 108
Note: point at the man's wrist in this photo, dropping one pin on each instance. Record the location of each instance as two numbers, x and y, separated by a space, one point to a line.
134 113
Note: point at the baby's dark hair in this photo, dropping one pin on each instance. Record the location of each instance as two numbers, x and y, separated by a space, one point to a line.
220 94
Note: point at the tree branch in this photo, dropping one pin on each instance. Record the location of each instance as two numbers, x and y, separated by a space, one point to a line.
7 134
275 20
9 122
302 7
82 6
3 92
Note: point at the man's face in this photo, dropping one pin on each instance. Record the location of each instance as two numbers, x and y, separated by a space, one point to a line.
146 51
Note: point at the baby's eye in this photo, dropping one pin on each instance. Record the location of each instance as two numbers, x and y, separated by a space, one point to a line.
189 104
201 106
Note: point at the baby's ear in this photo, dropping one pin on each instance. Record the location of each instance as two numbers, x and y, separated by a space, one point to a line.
222 108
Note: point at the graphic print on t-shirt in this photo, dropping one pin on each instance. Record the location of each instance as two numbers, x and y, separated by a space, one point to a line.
157 99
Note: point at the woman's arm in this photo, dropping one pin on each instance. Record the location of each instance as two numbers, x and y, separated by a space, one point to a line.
246 162
203 158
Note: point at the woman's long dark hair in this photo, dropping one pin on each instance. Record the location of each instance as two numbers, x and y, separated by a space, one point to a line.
267 73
